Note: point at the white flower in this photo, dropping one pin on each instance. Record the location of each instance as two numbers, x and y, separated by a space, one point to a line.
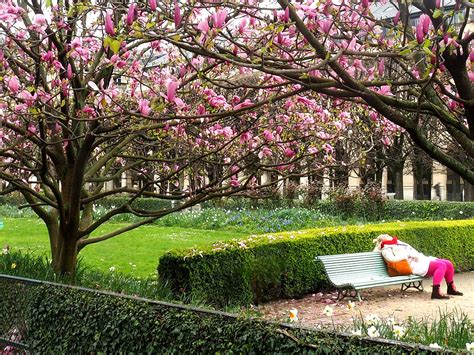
461 212
373 332
435 346
293 315
328 311
112 269
390 321
351 305
371 319
398 331
357 332
470 346
5 251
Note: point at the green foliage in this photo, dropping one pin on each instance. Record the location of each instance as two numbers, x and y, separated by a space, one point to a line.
17 263
134 253
267 267
57 320
448 329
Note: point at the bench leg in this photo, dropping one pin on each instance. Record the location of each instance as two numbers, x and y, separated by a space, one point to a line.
414 284
341 294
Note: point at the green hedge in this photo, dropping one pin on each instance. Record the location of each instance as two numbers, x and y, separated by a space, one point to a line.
282 265
62 320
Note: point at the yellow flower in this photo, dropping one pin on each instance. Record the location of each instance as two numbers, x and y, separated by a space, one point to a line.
351 305
293 315
398 331
328 311
13 265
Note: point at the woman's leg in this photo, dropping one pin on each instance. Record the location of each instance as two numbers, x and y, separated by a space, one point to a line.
437 269
449 275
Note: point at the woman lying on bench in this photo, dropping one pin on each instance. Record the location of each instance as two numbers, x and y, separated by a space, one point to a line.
395 251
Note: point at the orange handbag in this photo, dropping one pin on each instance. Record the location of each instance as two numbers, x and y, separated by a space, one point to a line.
398 268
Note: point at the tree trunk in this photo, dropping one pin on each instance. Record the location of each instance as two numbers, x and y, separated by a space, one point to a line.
399 184
63 251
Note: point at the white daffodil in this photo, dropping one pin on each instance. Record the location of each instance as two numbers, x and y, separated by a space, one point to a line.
328 311
398 331
112 269
293 315
371 319
357 332
351 305
470 346
373 332
435 346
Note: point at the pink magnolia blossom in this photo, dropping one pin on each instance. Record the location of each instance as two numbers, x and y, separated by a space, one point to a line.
325 26
31 129
396 19
265 152
289 153
39 20
438 4
419 33
144 107
152 5
218 101
177 15
381 66
234 182
203 26
13 84
244 104
69 71
131 14
171 87
245 137
385 140
425 22
218 18
328 148
286 18
268 135
365 3
471 76
109 25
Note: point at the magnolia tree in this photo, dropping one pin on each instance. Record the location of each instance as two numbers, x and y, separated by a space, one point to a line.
95 92
216 90
417 77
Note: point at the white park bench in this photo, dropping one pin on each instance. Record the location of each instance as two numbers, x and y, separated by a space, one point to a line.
349 273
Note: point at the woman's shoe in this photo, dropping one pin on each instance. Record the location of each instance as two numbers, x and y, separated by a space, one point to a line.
435 294
452 290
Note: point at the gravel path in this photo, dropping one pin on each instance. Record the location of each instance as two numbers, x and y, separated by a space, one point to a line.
384 302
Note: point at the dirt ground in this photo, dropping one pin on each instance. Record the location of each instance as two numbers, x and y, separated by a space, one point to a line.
383 302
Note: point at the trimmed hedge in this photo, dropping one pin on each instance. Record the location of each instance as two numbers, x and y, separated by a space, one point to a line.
282 265
61 320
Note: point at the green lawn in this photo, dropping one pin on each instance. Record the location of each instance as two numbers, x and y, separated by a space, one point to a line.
135 252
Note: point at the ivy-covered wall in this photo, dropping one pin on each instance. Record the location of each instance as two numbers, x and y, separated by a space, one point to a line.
282 265
56 319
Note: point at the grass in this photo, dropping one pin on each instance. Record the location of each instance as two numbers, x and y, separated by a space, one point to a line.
135 252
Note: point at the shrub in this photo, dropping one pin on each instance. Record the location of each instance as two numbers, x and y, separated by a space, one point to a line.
268 267
56 319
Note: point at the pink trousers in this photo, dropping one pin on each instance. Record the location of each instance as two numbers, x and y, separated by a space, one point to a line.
439 269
